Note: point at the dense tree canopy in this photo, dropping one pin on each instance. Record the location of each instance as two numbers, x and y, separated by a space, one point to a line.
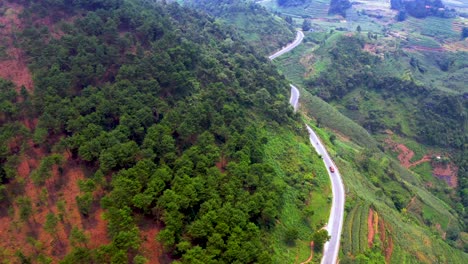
151 96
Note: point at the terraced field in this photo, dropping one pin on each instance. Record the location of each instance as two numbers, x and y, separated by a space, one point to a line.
355 230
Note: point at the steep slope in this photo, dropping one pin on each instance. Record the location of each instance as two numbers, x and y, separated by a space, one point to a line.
383 198
151 133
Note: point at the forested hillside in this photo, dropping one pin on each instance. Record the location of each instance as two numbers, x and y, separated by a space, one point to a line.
150 133
435 117
265 31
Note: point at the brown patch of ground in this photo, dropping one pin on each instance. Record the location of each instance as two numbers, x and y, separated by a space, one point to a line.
30 123
150 248
405 154
387 240
446 172
13 64
374 49
389 250
382 232
221 164
370 228
61 187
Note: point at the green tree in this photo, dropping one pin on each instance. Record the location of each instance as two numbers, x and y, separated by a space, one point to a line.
26 209
306 25
291 235
50 225
84 203
61 209
320 237
78 238
139 259
464 33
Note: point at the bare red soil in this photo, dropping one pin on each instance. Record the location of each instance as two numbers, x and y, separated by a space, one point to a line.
387 241
446 172
150 247
370 228
62 187
30 123
13 66
15 234
221 165
389 250
405 154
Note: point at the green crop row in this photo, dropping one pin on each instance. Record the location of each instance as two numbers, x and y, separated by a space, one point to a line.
355 230
347 234
363 230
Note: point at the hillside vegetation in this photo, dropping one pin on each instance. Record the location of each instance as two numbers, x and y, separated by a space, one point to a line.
388 207
152 134
265 31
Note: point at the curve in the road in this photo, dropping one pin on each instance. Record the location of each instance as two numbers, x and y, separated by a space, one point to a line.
335 221
289 47
294 99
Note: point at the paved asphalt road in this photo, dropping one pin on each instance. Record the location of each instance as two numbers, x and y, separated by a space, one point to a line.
335 222
294 100
289 47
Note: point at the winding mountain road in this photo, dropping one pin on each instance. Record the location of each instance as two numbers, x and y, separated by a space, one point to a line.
289 47
294 99
335 221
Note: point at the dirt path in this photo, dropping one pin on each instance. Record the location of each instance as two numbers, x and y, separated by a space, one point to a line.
426 158
311 253
405 154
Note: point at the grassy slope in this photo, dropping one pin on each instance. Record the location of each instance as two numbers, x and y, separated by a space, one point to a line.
294 160
405 229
